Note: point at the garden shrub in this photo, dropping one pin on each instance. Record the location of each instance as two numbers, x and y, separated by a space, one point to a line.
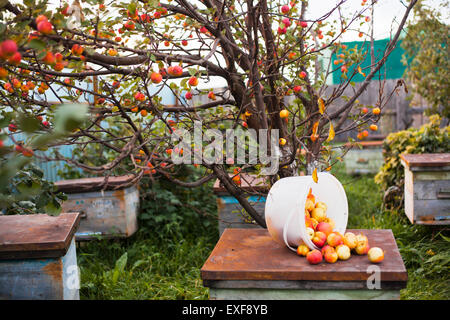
163 204
430 138
28 193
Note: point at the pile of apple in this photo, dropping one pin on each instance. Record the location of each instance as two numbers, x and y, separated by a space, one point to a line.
334 246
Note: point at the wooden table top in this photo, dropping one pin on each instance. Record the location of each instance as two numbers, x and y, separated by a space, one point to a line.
36 235
251 254
426 159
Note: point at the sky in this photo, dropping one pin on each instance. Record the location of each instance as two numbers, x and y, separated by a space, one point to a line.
387 14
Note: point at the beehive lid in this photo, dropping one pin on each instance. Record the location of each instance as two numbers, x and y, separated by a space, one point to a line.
249 183
426 159
367 144
37 235
94 184
252 254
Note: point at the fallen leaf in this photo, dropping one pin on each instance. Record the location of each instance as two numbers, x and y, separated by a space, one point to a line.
314 175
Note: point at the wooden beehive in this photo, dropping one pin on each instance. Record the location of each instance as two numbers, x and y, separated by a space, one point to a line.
230 212
248 264
38 257
368 159
107 209
427 188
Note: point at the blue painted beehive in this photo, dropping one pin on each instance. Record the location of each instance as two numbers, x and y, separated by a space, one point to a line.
38 257
230 212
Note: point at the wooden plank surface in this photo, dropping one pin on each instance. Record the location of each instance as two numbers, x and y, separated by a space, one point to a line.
94 184
251 254
426 159
37 235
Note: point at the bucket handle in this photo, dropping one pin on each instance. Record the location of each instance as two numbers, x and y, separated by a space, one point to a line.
285 228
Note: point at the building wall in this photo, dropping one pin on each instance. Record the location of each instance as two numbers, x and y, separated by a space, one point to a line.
392 69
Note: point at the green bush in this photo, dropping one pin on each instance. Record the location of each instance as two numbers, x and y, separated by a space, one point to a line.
164 203
430 138
28 192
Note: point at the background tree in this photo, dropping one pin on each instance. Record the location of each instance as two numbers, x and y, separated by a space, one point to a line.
426 45
265 51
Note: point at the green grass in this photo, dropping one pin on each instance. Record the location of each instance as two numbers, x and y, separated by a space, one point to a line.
165 263
161 265
425 250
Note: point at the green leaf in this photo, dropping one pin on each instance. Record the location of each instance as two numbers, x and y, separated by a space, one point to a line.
37 45
444 237
29 3
6 120
32 189
192 71
28 123
120 267
69 117
138 263
52 209
132 7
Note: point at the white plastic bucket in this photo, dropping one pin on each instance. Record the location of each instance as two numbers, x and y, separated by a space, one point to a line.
285 207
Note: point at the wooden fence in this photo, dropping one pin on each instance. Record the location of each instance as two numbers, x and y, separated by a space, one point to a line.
402 111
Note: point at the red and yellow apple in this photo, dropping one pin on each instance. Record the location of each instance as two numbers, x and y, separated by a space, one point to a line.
324 227
302 250
325 248
362 246
334 239
310 232
343 252
330 255
375 255
309 204
350 240
322 205
319 239
314 257
318 214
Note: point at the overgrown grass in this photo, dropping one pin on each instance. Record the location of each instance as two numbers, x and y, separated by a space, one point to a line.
425 249
161 265
165 263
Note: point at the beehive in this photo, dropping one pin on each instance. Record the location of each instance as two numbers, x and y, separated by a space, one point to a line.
230 212
107 209
427 188
367 159
38 257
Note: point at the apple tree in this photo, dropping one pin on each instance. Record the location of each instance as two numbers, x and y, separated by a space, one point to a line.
117 57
